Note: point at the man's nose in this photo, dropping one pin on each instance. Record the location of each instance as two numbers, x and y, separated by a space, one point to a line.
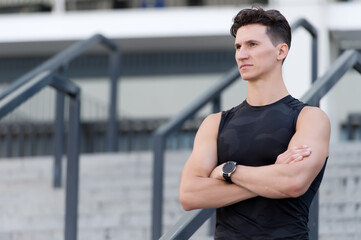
241 54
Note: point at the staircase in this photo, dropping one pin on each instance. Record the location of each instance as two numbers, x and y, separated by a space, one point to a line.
340 194
115 197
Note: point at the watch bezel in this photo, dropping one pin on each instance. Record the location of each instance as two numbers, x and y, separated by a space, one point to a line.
233 164
227 175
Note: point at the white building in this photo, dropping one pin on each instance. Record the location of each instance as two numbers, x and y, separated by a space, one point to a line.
173 31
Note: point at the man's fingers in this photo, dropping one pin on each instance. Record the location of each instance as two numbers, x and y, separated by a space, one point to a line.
294 154
296 160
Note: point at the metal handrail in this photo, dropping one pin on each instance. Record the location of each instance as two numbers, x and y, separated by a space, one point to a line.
188 224
314 45
175 123
349 59
15 98
59 64
62 61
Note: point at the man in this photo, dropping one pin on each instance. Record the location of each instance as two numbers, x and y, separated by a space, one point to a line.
260 163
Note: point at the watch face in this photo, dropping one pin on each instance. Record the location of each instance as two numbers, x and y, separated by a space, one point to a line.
229 167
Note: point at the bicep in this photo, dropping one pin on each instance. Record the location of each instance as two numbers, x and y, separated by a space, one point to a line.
203 158
313 130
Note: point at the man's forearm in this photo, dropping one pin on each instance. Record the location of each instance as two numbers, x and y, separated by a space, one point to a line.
204 192
272 181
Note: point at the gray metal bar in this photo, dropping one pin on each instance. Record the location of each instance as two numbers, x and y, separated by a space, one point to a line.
357 65
72 181
64 85
112 131
212 225
320 88
302 22
64 58
314 44
59 139
157 201
59 60
23 93
59 132
216 104
188 224
314 60
313 218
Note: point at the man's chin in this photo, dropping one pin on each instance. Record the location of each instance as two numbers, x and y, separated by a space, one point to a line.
246 78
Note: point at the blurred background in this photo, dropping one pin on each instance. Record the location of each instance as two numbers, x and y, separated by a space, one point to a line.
172 52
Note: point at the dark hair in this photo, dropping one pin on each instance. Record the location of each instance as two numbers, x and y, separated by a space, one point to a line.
278 28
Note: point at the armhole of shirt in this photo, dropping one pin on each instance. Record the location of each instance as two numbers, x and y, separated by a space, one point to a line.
297 114
221 123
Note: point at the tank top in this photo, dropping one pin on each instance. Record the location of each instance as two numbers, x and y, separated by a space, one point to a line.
255 136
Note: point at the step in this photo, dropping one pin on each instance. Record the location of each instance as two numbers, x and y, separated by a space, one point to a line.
116 189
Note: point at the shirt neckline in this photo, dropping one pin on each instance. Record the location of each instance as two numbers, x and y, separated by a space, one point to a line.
267 105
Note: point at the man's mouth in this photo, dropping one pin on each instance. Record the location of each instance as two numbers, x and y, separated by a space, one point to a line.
245 66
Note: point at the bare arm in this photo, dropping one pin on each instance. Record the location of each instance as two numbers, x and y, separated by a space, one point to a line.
197 189
291 180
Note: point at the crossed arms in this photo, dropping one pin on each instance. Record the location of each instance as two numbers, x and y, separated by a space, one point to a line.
203 186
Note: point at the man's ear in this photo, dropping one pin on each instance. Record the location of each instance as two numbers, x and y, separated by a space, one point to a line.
282 51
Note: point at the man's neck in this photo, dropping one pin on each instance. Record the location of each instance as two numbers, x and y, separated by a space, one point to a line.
264 92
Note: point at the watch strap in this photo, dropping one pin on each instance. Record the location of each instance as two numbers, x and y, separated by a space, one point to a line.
227 177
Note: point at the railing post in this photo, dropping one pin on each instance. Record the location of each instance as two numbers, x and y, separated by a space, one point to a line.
313 218
314 44
314 58
217 104
59 139
72 180
157 204
59 132
112 131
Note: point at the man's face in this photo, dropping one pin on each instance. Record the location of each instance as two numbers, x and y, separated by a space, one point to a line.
256 56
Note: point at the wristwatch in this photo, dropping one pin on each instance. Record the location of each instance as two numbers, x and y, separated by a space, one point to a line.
228 168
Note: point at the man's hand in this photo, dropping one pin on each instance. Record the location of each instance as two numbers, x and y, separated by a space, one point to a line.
217 173
290 156
293 155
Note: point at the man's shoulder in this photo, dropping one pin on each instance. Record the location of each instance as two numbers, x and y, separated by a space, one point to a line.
311 111
313 116
212 119
211 122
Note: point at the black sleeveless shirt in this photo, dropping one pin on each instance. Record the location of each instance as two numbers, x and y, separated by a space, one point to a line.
255 136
